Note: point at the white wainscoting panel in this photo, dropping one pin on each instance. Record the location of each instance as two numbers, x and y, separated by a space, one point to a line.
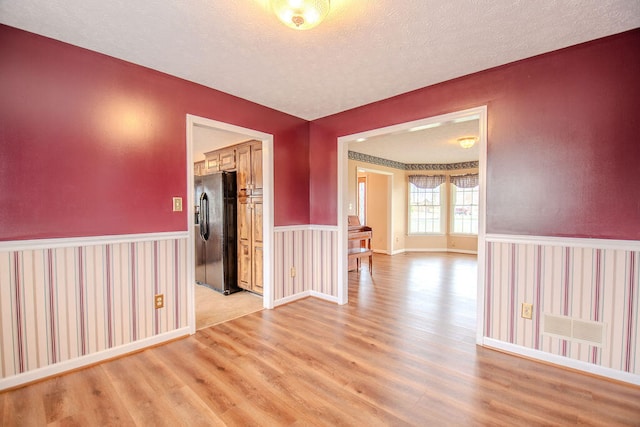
62 303
600 283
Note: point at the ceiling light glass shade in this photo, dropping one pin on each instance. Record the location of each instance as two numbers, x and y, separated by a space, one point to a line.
300 14
467 141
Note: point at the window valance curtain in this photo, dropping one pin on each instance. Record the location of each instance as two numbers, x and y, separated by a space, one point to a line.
427 181
465 181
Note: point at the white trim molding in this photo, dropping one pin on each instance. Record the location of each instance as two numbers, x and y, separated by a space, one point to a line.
108 288
324 296
90 359
448 250
74 242
571 242
268 203
588 280
305 227
538 355
303 295
291 298
342 212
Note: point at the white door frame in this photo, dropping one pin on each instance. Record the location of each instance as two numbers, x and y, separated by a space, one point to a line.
342 199
267 177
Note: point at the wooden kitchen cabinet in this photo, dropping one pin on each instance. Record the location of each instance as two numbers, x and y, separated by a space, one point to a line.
250 247
211 162
250 244
257 246
220 160
227 159
198 168
249 167
256 169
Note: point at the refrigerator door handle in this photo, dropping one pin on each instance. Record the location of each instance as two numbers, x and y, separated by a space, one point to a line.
204 216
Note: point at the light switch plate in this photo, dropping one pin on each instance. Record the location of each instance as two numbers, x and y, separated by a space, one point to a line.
177 204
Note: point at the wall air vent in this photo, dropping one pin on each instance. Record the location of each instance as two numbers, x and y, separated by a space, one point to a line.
581 331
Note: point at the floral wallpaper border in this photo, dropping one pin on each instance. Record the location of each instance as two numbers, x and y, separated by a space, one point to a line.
353 155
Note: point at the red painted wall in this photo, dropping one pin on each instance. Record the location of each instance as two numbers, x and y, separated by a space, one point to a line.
563 148
91 145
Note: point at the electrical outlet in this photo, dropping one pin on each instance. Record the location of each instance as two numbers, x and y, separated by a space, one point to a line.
177 204
527 310
159 301
293 272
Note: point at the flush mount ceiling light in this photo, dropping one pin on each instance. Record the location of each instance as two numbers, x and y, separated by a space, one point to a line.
300 14
424 127
467 141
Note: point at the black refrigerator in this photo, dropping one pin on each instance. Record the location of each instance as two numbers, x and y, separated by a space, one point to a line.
216 243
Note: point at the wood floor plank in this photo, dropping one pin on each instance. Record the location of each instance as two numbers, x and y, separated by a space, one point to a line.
187 406
95 399
24 407
142 401
401 353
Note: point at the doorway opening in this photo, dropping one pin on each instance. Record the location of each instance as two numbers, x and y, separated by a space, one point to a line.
362 198
208 306
345 206
377 201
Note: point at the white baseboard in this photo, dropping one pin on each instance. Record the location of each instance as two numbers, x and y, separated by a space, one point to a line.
562 361
451 250
300 295
425 249
291 298
462 251
325 297
90 359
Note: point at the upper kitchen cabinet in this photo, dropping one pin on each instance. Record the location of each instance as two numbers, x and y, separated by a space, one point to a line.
199 168
227 159
220 160
211 162
249 167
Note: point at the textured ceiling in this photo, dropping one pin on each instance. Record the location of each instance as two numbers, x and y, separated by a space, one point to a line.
363 52
436 145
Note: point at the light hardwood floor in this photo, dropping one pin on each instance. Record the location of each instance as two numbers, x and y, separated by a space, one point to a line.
401 353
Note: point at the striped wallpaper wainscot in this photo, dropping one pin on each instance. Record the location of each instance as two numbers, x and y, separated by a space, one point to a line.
312 252
62 303
597 284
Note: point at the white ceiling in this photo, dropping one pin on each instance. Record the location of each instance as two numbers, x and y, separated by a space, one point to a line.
207 139
363 52
436 145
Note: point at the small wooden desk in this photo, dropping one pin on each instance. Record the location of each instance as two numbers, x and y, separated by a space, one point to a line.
359 244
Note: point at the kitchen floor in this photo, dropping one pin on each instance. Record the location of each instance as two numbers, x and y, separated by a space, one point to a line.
212 307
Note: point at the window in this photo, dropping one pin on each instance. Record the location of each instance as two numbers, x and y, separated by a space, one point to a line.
362 199
425 204
465 204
